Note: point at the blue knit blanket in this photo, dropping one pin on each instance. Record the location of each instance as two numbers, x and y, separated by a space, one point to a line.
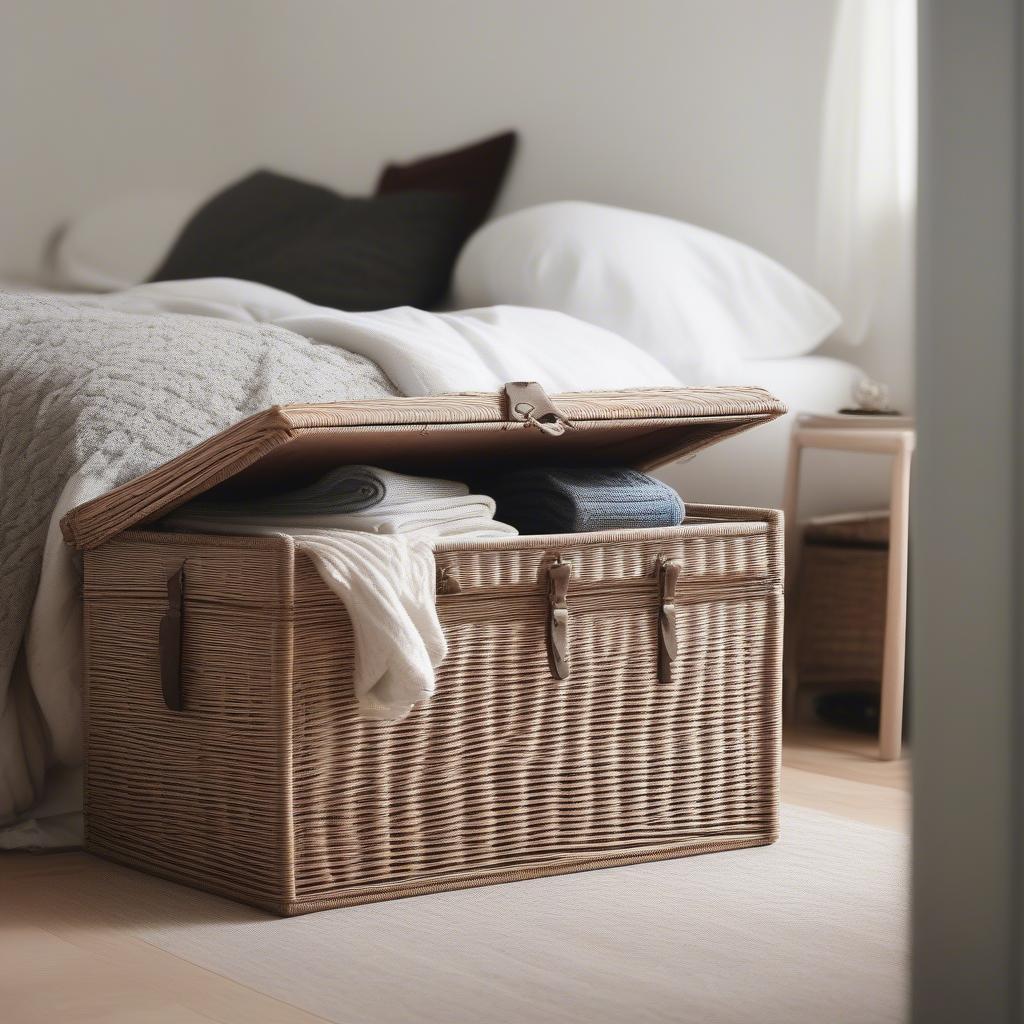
581 499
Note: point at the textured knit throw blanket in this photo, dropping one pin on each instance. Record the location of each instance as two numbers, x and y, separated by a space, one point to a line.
91 398
578 500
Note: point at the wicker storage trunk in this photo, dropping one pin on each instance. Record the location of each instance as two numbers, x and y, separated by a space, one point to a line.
608 697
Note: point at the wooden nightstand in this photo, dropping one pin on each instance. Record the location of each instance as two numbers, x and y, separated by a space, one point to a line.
881 435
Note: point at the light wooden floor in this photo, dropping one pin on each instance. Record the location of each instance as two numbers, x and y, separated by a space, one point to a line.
56 967
837 771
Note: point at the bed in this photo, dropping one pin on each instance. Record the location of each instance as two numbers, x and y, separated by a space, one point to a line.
575 295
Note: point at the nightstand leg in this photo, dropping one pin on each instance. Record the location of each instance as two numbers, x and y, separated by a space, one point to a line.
890 733
790 507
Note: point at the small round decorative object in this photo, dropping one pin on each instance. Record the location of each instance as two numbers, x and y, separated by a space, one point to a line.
871 396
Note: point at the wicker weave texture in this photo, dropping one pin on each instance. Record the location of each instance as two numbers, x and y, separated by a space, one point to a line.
268 787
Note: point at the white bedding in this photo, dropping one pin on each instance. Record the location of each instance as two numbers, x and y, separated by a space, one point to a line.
750 469
471 350
425 353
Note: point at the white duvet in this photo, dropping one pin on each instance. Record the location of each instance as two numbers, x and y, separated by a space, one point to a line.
426 353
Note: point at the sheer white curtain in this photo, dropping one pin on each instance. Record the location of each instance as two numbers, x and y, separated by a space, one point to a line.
868 180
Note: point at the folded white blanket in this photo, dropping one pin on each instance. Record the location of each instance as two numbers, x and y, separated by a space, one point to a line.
363 498
470 516
345 489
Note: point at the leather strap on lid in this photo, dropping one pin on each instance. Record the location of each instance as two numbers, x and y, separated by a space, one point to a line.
528 402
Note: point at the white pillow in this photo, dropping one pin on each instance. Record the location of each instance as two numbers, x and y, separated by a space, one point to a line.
120 243
695 300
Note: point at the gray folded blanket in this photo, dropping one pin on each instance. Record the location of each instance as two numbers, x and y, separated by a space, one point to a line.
581 499
342 491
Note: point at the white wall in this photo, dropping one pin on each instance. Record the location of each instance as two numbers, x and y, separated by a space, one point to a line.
703 110
100 97
709 110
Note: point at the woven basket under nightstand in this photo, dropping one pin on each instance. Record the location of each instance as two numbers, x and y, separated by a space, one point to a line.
842 600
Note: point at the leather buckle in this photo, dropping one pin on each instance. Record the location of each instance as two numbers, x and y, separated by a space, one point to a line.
668 641
559 574
528 402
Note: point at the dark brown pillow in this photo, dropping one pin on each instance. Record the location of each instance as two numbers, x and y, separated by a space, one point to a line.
348 253
475 172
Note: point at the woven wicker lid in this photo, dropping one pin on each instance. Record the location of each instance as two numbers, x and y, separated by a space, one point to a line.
437 435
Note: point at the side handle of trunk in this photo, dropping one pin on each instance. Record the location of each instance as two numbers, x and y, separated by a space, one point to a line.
170 641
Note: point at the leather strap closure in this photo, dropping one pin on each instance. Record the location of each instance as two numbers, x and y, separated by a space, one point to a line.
528 402
559 574
668 645
170 641
448 582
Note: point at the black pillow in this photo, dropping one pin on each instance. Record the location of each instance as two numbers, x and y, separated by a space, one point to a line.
353 254
476 172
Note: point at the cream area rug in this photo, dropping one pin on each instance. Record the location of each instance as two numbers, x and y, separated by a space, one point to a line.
813 929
